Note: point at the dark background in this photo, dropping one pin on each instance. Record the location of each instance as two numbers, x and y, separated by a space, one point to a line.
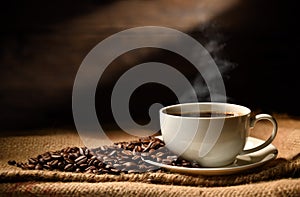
42 44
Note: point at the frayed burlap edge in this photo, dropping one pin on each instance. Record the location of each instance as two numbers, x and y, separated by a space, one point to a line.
276 169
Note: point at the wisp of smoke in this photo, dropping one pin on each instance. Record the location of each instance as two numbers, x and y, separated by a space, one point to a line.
215 45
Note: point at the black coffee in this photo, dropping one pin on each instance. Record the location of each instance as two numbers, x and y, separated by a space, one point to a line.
203 114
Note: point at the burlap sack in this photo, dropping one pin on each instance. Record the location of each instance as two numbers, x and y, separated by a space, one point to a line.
280 176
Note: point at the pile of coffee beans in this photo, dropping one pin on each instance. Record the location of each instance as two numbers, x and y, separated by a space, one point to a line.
121 157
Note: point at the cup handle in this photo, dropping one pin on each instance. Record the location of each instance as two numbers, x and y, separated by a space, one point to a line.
271 138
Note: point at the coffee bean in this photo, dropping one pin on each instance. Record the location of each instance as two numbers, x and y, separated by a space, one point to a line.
81 159
67 160
112 153
32 160
46 158
145 154
148 147
72 156
41 160
130 147
69 167
81 151
100 165
12 162
103 148
127 152
172 157
38 167
154 145
115 171
86 152
89 162
117 165
47 167
30 166
60 165
132 171
55 156
167 161
83 165
151 150
119 157
159 154
143 166
90 168
137 149
136 157
129 164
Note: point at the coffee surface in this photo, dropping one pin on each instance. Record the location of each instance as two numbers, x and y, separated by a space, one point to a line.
203 114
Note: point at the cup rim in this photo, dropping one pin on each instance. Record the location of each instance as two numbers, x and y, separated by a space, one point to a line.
246 109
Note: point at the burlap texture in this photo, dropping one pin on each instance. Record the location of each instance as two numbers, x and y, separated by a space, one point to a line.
284 187
280 176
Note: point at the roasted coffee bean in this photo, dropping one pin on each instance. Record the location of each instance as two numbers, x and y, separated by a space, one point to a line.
132 171
38 167
18 164
83 166
127 152
47 167
159 154
127 157
86 152
60 165
117 165
90 162
167 161
136 157
72 156
143 166
151 150
155 145
67 160
145 154
130 164
32 160
46 158
56 156
69 167
115 171
12 162
112 153
148 147
81 159
100 165
52 163
30 166
90 168
41 160
172 157
81 151
103 148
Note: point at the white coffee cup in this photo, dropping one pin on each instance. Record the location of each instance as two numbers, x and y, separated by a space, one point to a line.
212 141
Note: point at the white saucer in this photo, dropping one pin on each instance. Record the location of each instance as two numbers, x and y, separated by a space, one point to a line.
242 162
